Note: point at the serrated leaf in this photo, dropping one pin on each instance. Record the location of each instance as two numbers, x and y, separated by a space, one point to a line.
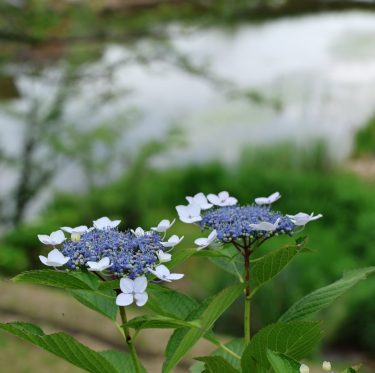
64 346
215 364
185 340
323 297
160 322
63 280
268 266
167 302
237 346
121 361
295 339
102 301
282 363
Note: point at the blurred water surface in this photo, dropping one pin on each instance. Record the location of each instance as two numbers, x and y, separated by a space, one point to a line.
320 69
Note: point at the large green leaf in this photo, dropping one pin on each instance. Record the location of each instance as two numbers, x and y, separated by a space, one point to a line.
121 361
323 297
167 302
68 348
159 322
184 339
215 364
282 363
295 339
63 280
230 261
268 266
237 346
102 301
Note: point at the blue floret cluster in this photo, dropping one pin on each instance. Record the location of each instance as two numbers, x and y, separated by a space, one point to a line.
233 222
131 256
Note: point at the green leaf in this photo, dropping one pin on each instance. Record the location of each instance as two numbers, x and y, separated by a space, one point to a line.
102 301
282 363
232 261
171 303
323 297
351 370
64 346
184 339
215 364
294 339
63 280
121 361
158 321
236 345
268 266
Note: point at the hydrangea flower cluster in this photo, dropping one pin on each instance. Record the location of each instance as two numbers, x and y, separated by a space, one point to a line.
229 222
130 255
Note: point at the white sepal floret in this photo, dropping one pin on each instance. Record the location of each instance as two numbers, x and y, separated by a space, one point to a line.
200 200
163 273
132 290
172 241
222 199
99 266
105 223
163 226
54 259
302 218
55 238
266 226
268 200
205 242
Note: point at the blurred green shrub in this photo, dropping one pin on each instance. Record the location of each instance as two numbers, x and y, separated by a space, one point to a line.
306 179
364 141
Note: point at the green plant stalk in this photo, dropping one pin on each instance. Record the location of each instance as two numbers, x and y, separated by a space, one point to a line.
247 311
130 341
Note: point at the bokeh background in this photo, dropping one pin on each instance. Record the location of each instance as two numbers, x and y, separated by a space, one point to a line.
124 107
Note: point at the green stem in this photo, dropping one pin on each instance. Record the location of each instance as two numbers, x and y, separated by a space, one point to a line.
247 311
130 341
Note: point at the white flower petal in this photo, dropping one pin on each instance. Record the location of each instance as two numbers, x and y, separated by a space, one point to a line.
105 223
124 299
140 284
104 262
44 239
175 276
201 242
67 229
57 237
56 256
127 285
141 299
164 257
43 259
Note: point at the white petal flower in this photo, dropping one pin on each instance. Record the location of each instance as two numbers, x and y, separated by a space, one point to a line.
189 214
55 238
79 230
102 265
164 274
326 366
139 232
105 223
266 226
164 257
304 368
268 200
132 290
204 242
172 241
302 218
163 226
200 200
54 259
222 199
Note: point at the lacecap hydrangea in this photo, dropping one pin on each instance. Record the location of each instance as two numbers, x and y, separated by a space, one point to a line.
245 225
110 253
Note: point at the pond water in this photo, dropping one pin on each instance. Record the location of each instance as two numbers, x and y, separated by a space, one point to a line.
320 68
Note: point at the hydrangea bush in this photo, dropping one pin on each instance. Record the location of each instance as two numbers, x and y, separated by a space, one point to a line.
109 270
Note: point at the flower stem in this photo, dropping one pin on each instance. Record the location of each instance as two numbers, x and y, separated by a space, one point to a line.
247 311
130 341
